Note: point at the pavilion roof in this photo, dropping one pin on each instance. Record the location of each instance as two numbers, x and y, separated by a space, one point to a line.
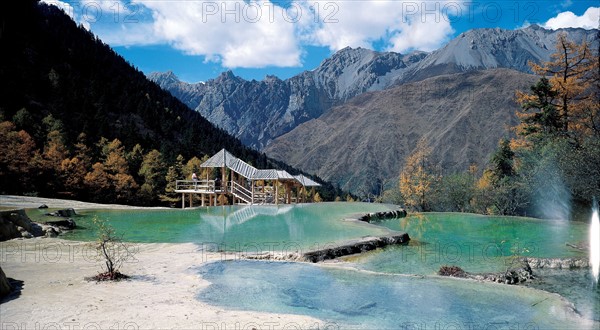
305 181
224 158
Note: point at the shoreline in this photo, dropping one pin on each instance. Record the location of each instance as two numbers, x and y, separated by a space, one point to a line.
29 202
161 293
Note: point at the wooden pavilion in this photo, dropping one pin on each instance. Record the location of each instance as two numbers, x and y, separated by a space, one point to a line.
244 183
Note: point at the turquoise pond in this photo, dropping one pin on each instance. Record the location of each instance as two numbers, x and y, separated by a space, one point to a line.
286 227
348 299
476 243
376 293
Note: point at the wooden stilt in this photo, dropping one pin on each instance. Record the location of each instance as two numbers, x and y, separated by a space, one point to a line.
183 200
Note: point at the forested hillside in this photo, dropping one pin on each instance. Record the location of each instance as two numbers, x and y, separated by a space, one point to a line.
78 120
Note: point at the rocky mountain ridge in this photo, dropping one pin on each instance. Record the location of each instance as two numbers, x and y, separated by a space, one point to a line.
495 48
257 112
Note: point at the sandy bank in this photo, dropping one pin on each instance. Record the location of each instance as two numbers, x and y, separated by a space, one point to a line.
162 293
13 201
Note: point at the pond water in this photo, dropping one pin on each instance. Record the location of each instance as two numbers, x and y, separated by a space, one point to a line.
475 243
286 227
575 285
348 299
373 295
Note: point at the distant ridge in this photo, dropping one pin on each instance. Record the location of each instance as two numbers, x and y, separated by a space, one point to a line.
495 48
259 111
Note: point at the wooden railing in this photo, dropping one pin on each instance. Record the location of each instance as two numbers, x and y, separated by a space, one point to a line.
264 195
241 192
201 185
260 195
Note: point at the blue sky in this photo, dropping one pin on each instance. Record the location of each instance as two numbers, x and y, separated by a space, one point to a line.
199 39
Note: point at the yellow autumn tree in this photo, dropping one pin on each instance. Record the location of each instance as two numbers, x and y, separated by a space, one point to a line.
317 198
417 178
18 152
559 130
111 178
73 173
174 173
564 103
152 170
193 166
55 151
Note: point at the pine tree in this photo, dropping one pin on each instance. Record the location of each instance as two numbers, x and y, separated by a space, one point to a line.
502 161
500 190
539 116
152 170
560 121
174 173
569 91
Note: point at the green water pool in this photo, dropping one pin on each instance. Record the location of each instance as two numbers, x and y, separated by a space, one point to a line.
359 299
473 242
253 228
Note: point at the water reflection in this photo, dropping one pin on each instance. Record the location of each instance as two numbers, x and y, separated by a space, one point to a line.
301 226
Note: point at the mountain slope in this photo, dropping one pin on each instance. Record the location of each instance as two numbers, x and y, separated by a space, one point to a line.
259 111
186 93
494 48
363 143
61 78
57 68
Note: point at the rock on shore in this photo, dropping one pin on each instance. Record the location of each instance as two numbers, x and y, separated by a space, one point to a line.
5 287
16 224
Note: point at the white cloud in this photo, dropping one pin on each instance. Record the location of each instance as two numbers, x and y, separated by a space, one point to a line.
260 33
567 19
401 25
236 33
421 36
119 22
